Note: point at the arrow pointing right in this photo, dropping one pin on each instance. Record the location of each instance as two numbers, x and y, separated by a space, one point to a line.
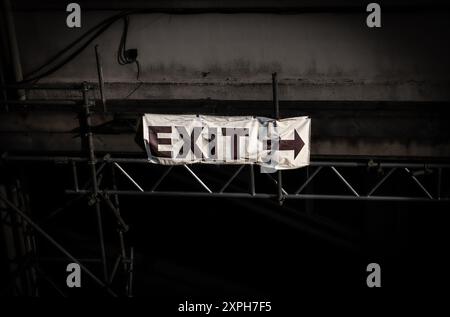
295 145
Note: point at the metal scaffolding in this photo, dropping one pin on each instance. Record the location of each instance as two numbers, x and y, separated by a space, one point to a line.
29 227
427 179
406 171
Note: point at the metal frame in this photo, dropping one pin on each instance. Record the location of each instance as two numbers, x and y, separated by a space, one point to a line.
101 194
96 198
281 191
410 172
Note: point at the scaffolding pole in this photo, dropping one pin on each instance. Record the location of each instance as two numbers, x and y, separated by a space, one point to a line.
92 164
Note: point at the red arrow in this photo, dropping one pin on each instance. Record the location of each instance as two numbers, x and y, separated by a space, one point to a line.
296 144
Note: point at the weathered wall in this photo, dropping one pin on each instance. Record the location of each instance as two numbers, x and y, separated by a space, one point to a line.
213 59
319 56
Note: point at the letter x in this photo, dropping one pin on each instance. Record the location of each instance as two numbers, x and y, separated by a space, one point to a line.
189 142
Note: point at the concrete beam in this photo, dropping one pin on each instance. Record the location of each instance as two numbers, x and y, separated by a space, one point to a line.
338 129
234 5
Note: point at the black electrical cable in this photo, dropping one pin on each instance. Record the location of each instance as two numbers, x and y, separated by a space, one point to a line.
124 56
121 54
104 25
74 43
67 60
138 69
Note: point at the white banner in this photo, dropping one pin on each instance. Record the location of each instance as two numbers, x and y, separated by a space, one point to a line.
186 139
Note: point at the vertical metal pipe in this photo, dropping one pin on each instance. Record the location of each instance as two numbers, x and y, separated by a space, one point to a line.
27 234
75 175
13 46
3 83
439 183
276 108
123 256
117 206
101 84
309 203
130 277
277 117
32 242
8 237
252 180
20 239
92 162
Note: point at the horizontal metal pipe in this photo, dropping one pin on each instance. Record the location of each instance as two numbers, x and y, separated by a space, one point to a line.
42 87
146 161
261 196
40 158
178 194
380 164
57 259
363 198
232 7
62 102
